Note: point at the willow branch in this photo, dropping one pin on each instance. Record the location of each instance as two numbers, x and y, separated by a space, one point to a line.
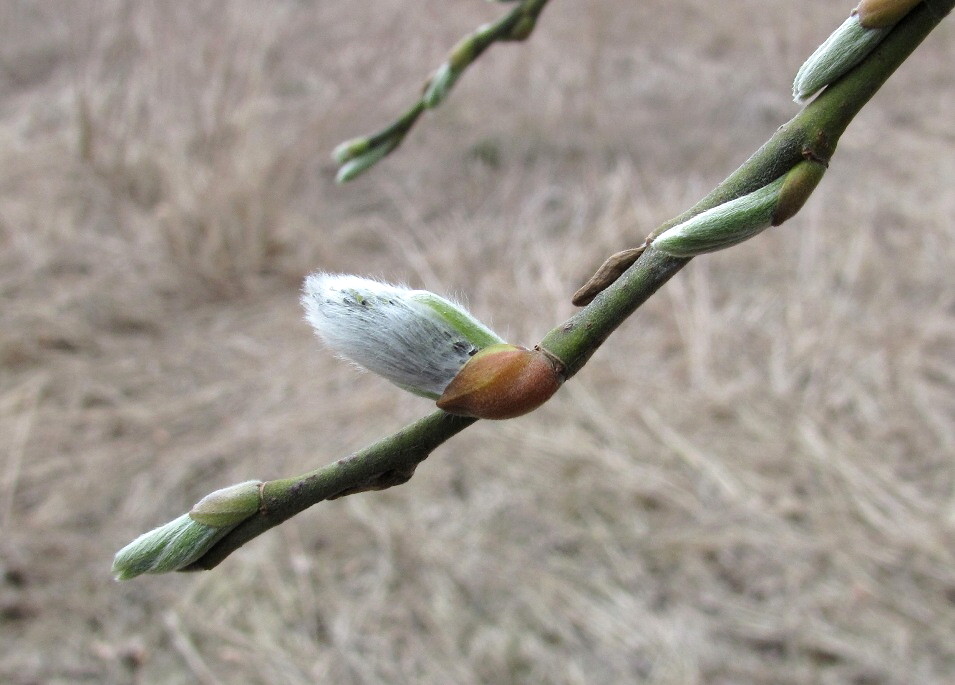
812 134
359 154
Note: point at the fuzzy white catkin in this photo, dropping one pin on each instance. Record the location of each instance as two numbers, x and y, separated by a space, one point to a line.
416 339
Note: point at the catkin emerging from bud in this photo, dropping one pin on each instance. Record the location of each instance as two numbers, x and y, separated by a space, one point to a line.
416 339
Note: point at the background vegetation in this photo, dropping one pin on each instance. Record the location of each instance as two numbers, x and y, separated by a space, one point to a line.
751 482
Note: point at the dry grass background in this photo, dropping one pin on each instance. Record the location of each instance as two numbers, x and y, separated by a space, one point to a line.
753 482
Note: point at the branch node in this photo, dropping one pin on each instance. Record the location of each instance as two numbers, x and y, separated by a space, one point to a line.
560 368
810 155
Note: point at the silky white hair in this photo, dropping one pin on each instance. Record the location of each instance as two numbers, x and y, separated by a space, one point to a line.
414 338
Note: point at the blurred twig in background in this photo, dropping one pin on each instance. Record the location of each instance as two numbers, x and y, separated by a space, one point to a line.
359 154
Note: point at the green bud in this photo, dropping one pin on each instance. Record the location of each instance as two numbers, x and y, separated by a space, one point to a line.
347 151
845 48
798 185
458 319
167 548
361 163
462 54
722 226
440 85
228 506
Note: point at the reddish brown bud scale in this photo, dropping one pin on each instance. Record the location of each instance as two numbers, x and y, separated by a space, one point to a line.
501 382
878 14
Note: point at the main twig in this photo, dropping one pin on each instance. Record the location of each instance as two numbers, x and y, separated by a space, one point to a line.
770 186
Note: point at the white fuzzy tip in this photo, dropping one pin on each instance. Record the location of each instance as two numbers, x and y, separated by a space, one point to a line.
414 338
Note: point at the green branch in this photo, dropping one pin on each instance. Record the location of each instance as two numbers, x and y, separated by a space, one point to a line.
811 134
359 154
390 461
785 170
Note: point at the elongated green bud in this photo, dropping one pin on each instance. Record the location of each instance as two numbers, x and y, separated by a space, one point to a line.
416 339
460 57
877 14
440 85
228 506
722 226
502 382
466 50
347 151
359 163
845 48
167 548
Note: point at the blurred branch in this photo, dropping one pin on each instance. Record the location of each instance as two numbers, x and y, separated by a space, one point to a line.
769 187
359 154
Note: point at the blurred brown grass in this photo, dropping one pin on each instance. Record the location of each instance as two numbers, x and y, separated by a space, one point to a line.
753 482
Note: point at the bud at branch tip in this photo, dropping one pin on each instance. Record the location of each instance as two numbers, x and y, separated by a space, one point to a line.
359 163
167 548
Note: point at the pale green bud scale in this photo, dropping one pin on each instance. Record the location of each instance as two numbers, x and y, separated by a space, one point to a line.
845 48
722 226
167 548
228 506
